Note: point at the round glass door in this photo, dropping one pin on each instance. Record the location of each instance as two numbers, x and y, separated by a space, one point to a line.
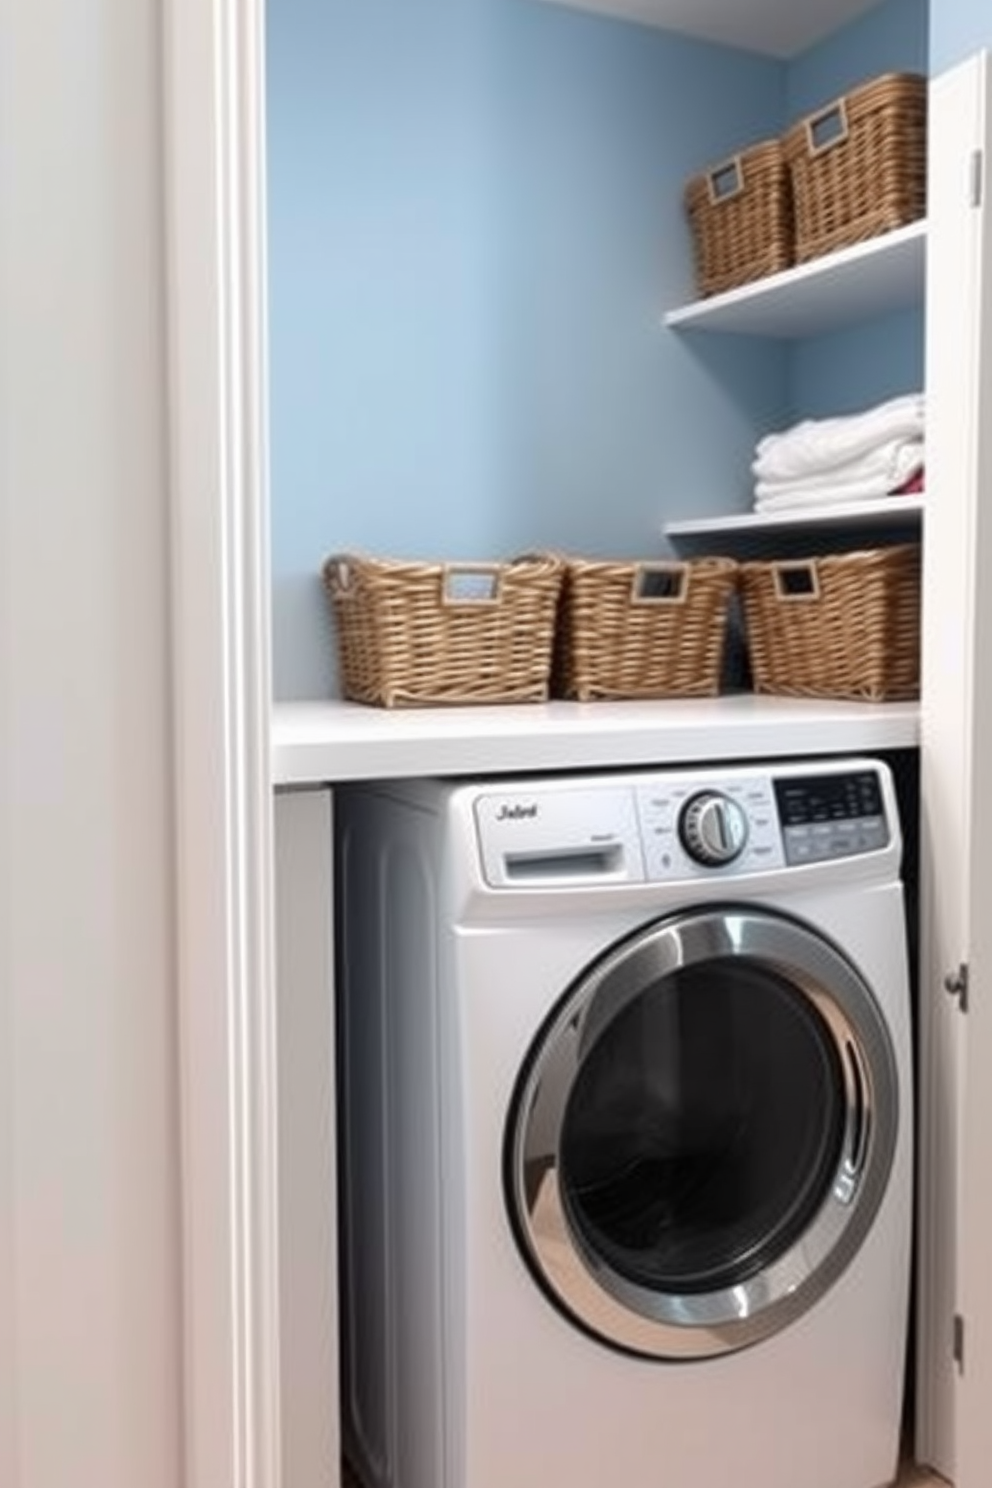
703 1133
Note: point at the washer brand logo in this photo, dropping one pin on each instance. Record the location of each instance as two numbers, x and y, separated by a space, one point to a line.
517 812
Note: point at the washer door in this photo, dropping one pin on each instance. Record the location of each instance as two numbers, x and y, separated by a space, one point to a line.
702 1134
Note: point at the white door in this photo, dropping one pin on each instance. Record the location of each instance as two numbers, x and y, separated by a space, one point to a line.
955 1422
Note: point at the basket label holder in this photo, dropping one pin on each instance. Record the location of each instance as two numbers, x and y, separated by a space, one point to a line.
659 583
726 181
827 128
471 584
796 579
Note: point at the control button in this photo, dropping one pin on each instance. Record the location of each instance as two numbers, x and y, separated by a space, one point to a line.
798 849
821 841
713 828
873 833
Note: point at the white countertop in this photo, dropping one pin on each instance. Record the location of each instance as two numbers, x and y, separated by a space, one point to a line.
334 741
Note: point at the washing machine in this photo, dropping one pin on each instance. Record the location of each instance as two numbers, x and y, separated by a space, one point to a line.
627 1122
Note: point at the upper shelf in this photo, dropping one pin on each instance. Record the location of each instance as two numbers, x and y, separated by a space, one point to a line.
840 289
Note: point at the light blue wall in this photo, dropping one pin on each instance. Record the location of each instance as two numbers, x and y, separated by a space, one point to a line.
847 370
854 368
381 252
475 224
891 37
611 426
957 29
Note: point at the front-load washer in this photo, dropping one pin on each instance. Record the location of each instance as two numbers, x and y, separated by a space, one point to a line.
627 1111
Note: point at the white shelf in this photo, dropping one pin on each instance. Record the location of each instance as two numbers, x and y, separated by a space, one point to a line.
893 511
892 518
855 284
327 742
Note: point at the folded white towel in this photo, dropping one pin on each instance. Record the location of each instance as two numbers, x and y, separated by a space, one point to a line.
810 500
885 468
816 445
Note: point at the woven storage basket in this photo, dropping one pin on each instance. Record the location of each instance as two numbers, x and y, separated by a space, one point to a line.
642 630
845 626
858 167
741 218
413 633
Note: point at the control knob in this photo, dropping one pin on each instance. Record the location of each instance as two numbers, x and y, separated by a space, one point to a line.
713 828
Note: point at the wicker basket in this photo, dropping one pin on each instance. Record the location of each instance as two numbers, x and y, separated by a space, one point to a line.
858 167
413 634
642 630
845 626
741 218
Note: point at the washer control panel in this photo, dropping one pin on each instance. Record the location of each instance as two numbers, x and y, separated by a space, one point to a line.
665 827
692 828
831 816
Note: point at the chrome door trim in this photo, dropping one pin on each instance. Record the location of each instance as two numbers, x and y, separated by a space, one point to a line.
700 1325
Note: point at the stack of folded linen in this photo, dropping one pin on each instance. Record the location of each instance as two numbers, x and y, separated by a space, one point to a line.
855 457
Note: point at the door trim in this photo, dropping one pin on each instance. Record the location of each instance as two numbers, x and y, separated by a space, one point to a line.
967 305
951 697
213 142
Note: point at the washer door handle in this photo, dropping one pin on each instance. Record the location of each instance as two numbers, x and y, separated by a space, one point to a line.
857 1134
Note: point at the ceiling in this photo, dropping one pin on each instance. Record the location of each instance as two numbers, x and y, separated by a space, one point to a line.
781 28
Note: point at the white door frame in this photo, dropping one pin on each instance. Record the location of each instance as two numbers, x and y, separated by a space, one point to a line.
974 372
214 135
955 1232
954 131
214 151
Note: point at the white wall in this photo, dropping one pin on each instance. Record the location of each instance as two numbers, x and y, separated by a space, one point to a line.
89 1220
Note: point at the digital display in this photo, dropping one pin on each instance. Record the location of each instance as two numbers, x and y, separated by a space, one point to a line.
814 799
